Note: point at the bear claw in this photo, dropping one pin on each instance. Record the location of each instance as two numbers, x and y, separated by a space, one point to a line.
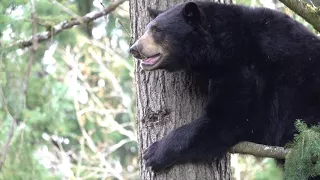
155 156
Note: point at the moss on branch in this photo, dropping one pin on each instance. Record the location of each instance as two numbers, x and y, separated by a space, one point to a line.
308 12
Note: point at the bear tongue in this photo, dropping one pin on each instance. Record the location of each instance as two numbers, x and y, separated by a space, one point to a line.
151 60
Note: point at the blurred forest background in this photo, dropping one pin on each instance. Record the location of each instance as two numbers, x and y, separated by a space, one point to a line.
67 105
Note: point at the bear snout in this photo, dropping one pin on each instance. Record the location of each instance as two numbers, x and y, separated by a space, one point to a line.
135 51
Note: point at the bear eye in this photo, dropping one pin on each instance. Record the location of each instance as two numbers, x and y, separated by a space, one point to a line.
155 28
157 33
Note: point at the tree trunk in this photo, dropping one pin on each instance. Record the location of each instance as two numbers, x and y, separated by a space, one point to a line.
165 101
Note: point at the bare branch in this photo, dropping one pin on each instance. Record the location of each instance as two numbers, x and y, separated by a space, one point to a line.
34 48
68 24
11 132
34 44
67 10
7 144
260 150
308 12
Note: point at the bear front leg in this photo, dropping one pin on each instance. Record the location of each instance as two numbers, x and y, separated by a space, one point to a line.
197 141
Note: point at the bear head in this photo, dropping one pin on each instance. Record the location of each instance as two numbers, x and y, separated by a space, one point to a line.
175 39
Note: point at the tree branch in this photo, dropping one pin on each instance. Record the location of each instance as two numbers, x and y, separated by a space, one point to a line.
260 150
6 146
308 12
33 49
7 143
67 25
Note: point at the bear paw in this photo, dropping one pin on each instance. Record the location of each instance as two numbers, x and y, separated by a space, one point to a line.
158 156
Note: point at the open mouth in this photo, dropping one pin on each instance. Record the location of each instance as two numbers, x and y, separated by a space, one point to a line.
152 60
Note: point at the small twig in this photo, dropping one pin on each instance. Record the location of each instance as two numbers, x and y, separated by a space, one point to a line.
117 87
260 150
101 3
115 147
79 162
125 29
7 144
88 139
11 132
33 48
67 10
68 24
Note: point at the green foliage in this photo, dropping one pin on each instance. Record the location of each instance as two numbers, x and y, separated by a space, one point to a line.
20 162
302 162
251 167
8 6
270 171
74 112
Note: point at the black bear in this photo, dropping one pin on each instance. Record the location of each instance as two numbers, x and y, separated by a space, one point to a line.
266 67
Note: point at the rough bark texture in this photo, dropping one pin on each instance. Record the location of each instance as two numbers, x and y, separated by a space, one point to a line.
166 101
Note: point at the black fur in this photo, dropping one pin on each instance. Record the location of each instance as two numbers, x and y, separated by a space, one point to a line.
267 72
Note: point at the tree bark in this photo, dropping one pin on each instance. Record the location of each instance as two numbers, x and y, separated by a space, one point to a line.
165 101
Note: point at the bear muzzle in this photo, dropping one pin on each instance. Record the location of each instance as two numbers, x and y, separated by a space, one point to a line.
135 51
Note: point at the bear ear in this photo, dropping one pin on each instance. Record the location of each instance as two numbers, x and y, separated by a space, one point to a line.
153 12
191 12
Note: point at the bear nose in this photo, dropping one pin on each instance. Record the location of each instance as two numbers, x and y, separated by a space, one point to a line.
134 51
